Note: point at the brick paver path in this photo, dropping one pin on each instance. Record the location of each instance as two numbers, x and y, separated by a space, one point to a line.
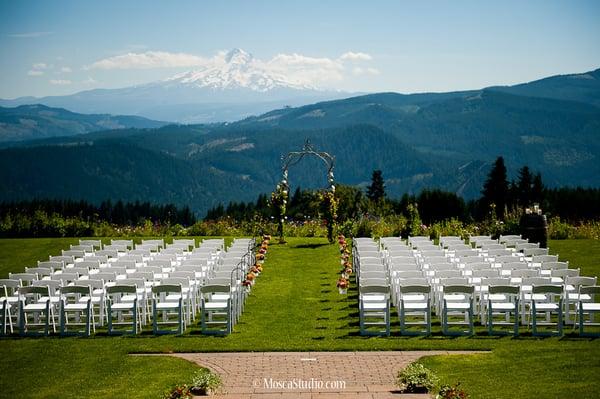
272 374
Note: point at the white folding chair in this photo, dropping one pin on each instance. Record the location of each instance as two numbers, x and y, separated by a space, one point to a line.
458 312
216 309
589 309
123 304
503 309
549 309
415 301
34 301
9 300
76 310
374 310
168 308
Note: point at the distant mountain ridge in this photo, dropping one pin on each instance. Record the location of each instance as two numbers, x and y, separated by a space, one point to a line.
36 121
580 87
427 140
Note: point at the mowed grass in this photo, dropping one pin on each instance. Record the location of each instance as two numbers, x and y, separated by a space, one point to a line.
294 306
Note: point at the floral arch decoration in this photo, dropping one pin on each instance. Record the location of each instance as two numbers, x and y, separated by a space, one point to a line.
280 196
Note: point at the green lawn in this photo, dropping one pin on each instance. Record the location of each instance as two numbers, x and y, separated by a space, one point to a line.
294 306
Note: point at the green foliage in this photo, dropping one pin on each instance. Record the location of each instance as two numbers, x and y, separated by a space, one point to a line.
416 378
41 224
414 225
206 380
561 230
179 392
452 227
452 392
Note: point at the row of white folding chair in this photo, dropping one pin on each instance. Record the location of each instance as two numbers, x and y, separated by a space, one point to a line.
526 245
424 245
571 289
477 241
446 241
514 242
528 253
508 237
456 246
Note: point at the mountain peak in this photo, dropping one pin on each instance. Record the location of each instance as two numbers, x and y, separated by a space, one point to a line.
238 56
236 70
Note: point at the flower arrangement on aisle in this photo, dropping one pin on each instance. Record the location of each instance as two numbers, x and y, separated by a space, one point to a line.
344 281
257 268
342 285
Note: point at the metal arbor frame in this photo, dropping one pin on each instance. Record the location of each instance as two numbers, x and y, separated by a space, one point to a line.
294 157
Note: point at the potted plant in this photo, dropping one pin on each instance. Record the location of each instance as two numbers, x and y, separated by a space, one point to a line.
416 378
205 382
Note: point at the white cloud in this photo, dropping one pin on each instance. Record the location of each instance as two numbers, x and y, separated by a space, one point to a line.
40 65
60 82
305 70
89 81
301 69
66 70
34 72
148 60
357 71
352 56
29 35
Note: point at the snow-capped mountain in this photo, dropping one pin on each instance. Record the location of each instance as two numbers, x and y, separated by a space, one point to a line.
230 88
240 70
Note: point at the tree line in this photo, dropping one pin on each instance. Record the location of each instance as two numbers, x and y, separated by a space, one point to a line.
499 196
119 212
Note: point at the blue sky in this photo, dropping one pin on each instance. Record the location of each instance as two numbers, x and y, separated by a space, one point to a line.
61 47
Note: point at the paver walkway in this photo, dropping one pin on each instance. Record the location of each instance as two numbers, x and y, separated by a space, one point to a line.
310 374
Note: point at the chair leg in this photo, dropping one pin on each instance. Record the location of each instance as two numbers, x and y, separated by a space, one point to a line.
580 320
402 315
62 316
109 318
88 320
154 318
180 330
516 326
471 322
47 326
490 320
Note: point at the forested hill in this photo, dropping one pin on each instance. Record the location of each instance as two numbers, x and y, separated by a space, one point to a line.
432 140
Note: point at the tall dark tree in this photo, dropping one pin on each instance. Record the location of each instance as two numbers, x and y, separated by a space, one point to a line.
495 188
376 191
537 189
524 186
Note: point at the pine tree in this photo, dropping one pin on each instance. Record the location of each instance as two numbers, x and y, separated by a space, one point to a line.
495 188
376 191
524 186
537 189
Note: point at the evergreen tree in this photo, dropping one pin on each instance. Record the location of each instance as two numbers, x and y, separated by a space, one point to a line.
376 191
537 189
495 188
524 186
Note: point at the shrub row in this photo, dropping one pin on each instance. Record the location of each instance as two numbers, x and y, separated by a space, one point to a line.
42 224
